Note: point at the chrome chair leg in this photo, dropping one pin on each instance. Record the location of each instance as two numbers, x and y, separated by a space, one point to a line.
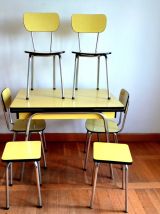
54 74
74 78
61 77
14 136
38 185
86 141
115 137
32 72
28 74
44 140
98 72
87 153
107 78
96 167
77 72
43 152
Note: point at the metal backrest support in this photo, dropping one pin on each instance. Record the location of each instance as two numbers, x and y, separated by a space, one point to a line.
41 22
6 102
89 23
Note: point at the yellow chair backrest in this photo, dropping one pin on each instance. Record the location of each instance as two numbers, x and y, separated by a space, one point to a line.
41 22
89 23
124 97
6 98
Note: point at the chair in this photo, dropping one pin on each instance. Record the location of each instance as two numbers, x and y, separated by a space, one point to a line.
89 24
111 153
22 151
36 23
20 125
114 127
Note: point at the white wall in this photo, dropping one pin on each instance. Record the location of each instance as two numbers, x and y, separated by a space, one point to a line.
132 35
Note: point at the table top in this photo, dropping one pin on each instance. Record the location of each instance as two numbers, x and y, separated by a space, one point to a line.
49 100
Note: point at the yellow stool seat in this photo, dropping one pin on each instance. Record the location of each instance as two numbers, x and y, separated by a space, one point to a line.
22 151
112 153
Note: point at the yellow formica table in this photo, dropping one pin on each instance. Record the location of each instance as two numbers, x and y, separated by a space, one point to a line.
49 100
48 104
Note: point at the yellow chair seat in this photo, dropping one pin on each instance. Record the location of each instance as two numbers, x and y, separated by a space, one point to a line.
112 153
36 125
22 151
94 125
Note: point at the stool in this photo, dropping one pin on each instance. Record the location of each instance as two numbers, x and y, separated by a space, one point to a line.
22 151
112 153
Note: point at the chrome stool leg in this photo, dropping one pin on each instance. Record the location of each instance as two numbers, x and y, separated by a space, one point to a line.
38 185
126 188
7 185
96 167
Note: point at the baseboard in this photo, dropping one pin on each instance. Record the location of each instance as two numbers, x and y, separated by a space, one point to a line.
80 137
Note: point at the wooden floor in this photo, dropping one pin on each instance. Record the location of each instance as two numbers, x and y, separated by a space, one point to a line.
66 187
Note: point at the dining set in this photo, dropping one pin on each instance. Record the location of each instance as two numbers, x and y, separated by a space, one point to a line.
103 112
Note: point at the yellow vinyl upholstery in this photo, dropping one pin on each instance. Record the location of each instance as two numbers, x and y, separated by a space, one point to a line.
41 22
89 23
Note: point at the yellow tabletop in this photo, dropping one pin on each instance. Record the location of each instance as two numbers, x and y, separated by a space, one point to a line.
49 100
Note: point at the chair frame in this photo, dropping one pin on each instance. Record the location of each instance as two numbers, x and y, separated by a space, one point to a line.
101 24
9 121
120 121
50 53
